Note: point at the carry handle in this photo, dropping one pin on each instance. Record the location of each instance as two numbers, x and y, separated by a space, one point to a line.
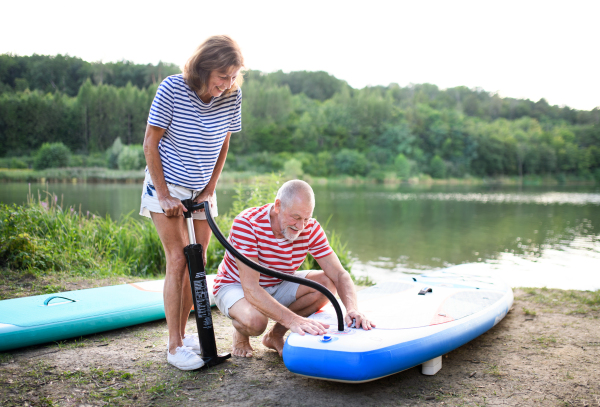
191 206
47 302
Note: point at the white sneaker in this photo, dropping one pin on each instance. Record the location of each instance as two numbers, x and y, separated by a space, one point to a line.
185 359
192 342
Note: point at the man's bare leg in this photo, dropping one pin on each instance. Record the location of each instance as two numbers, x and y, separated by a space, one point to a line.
247 322
308 302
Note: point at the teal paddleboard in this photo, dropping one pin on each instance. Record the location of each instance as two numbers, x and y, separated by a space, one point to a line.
52 317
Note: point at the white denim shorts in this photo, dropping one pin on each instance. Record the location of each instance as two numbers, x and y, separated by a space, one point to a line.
150 199
284 293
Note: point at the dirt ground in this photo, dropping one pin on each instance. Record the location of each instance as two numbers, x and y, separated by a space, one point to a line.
546 352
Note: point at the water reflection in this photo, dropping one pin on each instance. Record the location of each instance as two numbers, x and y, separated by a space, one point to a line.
526 198
436 229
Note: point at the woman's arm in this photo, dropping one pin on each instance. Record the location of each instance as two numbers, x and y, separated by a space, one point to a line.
209 189
170 205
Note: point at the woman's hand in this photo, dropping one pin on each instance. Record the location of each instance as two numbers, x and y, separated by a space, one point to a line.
171 206
205 195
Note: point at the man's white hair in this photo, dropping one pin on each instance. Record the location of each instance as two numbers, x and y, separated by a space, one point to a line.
291 189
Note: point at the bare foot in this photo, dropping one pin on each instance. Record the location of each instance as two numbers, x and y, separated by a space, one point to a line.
273 341
241 345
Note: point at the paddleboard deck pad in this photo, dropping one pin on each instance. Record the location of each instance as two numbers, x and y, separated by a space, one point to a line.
418 319
53 317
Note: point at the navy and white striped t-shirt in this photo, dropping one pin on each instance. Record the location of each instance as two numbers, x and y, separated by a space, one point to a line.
195 130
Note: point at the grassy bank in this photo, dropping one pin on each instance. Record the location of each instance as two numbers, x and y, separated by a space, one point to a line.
48 245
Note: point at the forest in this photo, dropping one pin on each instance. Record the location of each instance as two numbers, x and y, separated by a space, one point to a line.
309 120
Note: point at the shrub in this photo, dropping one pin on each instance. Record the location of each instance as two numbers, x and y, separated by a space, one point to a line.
96 160
132 158
77 160
437 167
292 169
321 164
52 155
350 162
402 165
13 162
112 154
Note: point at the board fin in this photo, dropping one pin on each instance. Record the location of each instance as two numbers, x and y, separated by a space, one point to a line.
432 366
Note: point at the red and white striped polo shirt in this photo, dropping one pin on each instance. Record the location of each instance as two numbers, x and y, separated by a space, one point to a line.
252 236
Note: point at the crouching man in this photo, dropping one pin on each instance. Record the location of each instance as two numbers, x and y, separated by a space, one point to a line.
278 236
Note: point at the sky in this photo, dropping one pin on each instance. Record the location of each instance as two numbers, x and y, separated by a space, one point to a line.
522 49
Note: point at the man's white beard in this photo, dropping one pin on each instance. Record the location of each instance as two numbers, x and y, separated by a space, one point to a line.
287 233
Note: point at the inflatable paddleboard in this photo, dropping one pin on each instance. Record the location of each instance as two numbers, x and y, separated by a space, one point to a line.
418 320
52 317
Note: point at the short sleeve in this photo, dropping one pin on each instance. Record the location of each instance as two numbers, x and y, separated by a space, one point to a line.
318 245
161 110
243 238
236 120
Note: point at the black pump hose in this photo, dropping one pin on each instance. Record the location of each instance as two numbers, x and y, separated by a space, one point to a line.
190 205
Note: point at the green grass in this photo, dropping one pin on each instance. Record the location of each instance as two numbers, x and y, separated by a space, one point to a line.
43 239
545 341
570 301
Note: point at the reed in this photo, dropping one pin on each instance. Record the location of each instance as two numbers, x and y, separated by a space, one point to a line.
42 237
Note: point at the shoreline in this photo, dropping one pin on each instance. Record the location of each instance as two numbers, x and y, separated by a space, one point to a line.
94 175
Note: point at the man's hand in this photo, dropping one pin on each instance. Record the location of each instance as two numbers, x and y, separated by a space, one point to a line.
359 321
171 206
302 325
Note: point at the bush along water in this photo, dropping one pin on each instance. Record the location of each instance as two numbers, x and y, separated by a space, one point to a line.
43 237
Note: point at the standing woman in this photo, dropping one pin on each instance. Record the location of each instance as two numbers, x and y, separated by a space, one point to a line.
189 126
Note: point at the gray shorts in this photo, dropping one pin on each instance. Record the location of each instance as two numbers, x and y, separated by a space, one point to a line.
150 199
284 293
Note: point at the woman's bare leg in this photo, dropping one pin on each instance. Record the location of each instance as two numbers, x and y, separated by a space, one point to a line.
173 235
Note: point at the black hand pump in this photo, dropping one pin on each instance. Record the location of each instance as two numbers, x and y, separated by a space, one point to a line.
206 333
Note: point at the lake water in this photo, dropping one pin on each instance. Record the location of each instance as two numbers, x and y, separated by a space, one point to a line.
531 236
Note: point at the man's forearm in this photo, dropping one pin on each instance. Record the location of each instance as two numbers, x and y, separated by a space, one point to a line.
347 292
333 269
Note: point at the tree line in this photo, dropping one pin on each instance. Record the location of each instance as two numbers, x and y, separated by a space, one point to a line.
312 118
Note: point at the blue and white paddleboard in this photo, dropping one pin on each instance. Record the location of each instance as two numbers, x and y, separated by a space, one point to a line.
418 320
52 317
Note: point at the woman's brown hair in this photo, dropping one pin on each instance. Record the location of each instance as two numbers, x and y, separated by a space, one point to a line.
218 52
